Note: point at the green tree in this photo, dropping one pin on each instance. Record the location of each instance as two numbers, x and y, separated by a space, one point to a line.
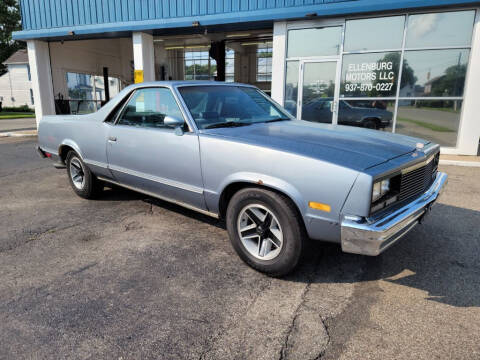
451 83
10 20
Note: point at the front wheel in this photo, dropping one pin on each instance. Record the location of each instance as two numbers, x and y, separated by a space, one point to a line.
265 230
82 180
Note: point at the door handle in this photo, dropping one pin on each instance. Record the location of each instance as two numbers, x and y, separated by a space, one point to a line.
112 138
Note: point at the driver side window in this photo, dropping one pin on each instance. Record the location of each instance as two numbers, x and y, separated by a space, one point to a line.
148 108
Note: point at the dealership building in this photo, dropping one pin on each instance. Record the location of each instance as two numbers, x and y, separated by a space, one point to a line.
405 66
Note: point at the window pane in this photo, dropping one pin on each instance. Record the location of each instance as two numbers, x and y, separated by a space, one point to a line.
373 75
434 73
433 120
80 86
291 87
148 108
216 105
388 33
372 114
264 57
314 42
318 91
440 29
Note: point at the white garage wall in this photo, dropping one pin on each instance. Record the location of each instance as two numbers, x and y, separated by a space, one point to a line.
89 57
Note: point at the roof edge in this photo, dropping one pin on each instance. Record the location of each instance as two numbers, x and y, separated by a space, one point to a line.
274 14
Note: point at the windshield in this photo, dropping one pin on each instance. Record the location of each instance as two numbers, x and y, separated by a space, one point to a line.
229 106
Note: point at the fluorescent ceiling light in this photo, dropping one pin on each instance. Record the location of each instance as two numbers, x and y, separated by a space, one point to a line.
256 43
237 35
174 47
197 47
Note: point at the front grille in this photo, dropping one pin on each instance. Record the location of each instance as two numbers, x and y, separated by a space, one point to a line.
416 181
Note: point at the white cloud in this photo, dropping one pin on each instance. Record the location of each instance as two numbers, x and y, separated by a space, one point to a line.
422 25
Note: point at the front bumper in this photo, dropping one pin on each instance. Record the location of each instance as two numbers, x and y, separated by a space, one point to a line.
372 238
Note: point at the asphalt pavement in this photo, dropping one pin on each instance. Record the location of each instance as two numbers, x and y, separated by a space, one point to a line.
130 277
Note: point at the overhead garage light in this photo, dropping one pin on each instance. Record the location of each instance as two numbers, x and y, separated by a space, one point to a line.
237 35
256 43
197 46
158 40
174 47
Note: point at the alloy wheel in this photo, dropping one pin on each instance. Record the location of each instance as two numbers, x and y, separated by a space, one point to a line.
77 173
260 232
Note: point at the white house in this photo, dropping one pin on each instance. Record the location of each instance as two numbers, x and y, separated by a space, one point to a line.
15 84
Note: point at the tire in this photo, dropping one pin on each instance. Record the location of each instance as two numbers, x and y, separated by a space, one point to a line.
274 247
370 124
82 180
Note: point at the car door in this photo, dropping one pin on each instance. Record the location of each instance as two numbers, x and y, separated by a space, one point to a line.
145 154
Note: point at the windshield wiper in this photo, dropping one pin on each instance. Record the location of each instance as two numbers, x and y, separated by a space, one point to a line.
275 120
226 124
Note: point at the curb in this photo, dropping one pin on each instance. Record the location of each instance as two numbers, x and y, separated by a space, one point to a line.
17 134
460 163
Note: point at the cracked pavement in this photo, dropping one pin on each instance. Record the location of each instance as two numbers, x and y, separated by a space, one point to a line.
131 277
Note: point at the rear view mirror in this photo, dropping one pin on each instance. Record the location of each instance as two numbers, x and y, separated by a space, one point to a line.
176 123
173 121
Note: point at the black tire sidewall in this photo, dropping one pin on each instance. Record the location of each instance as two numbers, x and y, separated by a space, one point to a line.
286 214
89 189
370 124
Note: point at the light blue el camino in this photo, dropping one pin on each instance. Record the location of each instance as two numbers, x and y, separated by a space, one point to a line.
229 151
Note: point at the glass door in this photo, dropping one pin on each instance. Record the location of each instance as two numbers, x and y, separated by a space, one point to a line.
318 95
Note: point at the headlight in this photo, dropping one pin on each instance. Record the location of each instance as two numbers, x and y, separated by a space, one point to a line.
380 188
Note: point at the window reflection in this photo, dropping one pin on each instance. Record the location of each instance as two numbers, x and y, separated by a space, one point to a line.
291 87
440 29
435 120
358 33
373 74
434 73
372 114
318 91
314 42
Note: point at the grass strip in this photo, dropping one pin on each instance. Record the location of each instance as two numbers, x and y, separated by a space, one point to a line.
426 125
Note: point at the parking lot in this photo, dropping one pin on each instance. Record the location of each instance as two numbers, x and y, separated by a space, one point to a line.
130 277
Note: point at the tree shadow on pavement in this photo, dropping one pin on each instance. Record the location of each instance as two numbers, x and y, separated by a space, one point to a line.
439 257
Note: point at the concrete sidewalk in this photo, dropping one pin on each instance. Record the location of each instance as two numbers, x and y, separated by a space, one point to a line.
17 124
460 160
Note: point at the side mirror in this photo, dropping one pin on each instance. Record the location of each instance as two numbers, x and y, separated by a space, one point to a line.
174 122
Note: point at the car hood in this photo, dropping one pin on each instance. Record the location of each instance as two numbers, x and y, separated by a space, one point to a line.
347 146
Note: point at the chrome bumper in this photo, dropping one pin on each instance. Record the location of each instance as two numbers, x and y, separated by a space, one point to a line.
372 238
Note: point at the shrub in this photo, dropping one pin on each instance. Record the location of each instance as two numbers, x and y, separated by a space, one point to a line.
23 108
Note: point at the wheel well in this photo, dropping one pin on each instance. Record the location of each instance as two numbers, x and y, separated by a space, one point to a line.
377 120
63 151
233 188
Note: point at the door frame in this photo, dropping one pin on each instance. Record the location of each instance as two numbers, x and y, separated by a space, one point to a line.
338 74
308 24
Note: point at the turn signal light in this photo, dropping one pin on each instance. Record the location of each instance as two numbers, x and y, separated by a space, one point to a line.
320 206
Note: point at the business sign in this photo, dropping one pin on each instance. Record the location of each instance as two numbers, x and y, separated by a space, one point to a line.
370 75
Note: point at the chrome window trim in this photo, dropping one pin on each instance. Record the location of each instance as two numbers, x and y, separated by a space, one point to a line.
180 107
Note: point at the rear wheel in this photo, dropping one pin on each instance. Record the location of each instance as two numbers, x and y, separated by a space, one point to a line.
265 230
370 124
82 180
